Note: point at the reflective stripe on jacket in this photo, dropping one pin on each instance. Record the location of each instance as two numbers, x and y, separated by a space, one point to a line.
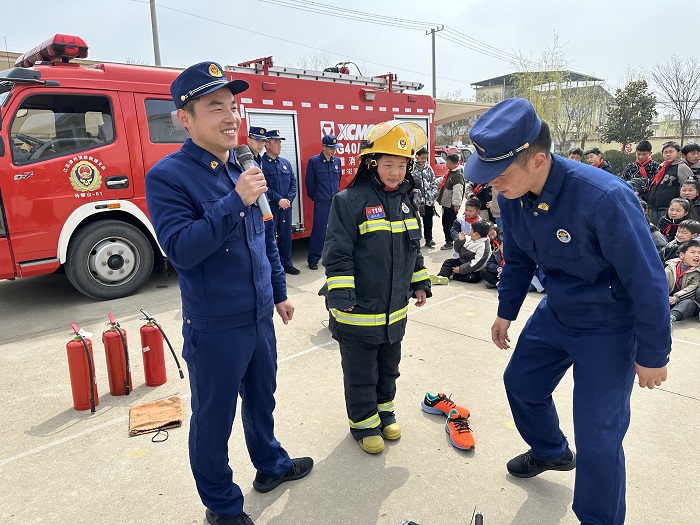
373 260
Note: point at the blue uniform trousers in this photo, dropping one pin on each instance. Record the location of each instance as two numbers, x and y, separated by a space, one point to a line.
318 232
283 227
603 368
221 365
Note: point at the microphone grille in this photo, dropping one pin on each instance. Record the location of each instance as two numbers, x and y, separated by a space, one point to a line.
243 153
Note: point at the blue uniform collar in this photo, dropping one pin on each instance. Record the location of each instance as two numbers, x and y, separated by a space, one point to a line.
545 202
323 157
267 158
210 161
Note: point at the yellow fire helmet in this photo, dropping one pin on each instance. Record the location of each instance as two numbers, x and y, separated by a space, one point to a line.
394 138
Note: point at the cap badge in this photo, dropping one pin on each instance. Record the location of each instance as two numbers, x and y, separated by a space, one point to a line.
262 131
402 144
563 236
183 97
214 164
543 206
215 71
404 207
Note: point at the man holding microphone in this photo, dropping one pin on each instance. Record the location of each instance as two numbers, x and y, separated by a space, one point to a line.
203 207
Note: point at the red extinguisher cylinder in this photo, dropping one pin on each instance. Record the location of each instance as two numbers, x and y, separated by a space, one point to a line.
116 361
82 373
153 355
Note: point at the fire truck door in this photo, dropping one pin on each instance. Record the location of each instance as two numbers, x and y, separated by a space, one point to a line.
286 122
69 149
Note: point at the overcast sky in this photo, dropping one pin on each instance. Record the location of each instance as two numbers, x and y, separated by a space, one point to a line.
600 38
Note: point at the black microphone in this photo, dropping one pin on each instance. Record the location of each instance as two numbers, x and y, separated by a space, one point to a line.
245 158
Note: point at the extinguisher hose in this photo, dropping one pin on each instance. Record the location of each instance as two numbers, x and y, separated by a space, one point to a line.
127 383
182 376
92 378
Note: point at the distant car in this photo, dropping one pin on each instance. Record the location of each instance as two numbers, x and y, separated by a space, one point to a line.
443 151
467 152
440 167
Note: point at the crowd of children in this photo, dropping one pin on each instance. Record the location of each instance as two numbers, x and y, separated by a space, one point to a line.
669 194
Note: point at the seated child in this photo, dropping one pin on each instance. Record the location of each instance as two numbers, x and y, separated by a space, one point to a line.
683 277
677 212
659 238
472 255
494 236
491 274
687 230
464 224
690 190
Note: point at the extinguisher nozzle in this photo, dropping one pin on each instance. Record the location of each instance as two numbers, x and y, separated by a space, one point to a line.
182 376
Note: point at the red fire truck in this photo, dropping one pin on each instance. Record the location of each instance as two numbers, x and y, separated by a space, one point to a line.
76 142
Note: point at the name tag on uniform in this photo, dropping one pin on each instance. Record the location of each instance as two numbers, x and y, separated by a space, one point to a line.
375 212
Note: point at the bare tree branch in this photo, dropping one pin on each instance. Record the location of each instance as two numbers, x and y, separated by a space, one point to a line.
679 82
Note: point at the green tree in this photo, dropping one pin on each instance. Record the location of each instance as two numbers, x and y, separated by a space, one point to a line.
629 117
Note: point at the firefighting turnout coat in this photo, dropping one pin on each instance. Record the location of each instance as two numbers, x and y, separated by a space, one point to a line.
373 261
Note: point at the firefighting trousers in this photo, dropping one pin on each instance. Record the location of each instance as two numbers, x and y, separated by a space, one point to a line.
283 227
603 371
222 365
318 232
370 371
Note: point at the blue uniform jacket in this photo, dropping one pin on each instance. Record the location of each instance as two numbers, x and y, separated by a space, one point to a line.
601 270
281 181
225 254
322 178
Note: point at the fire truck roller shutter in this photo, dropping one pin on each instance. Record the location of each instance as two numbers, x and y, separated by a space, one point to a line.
286 122
108 259
420 121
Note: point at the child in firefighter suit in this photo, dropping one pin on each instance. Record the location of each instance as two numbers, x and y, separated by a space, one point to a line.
373 266
597 315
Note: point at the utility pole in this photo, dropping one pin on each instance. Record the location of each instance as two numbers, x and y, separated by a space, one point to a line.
432 32
154 31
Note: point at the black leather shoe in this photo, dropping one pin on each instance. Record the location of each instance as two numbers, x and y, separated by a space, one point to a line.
313 266
238 519
525 466
300 468
292 270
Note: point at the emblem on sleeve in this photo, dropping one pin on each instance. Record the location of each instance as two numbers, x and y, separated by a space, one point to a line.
563 236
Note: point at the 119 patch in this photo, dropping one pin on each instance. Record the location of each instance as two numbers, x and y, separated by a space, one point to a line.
375 212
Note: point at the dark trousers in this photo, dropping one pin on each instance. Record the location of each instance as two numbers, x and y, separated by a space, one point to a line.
370 371
603 368
686 308
221 366
446 271
448 218
489 277
283 227
318 231
428 223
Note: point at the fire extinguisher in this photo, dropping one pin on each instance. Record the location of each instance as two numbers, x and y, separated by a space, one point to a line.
152 336
81 367
117 354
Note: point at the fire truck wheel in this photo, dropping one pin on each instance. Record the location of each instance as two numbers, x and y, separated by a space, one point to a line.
109 259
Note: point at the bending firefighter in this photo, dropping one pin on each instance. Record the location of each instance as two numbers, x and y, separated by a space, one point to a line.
373 267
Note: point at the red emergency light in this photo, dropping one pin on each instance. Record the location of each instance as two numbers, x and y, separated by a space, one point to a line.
58 48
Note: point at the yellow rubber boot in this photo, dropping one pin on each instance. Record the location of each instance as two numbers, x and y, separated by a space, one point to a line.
392 431
372 444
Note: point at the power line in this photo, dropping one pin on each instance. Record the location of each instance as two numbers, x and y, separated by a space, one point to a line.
293 42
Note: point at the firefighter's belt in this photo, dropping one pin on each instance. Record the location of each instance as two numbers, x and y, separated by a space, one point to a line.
368 319
156 415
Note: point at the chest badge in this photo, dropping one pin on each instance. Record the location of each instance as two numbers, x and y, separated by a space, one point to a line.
214 164
563 236
284 167
404 207
375 212
543 206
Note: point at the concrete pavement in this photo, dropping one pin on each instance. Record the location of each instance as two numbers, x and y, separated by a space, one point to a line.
62 466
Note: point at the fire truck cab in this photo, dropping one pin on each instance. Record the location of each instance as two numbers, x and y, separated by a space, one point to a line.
76 143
